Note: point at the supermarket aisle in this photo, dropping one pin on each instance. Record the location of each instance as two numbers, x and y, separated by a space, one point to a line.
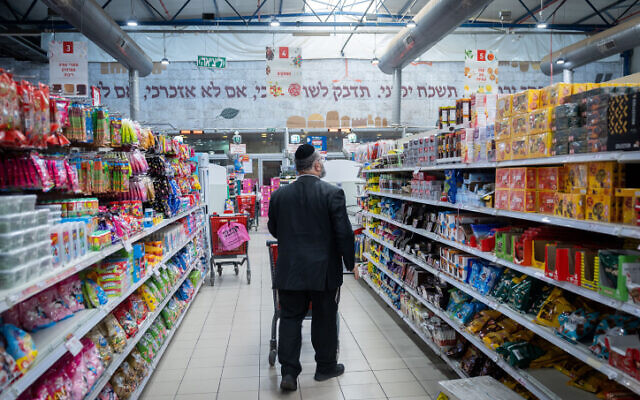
221 350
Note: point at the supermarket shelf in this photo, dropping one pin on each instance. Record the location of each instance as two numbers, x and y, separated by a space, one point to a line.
135 395
132 342
620 156
451 363
628 307
10 297
579 351
526 380
51 342
592 226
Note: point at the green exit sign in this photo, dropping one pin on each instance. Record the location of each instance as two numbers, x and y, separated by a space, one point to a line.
212 62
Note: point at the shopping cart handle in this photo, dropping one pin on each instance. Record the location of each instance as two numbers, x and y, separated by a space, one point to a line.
271 242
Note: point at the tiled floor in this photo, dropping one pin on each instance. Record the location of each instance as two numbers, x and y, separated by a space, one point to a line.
221 350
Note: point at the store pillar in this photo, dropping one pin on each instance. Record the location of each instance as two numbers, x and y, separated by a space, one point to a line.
396 96
134 95
567 75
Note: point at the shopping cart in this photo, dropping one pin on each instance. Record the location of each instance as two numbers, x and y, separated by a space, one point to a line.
221 257
246 204
272 245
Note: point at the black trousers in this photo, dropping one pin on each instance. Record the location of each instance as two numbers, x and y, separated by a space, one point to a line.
324 329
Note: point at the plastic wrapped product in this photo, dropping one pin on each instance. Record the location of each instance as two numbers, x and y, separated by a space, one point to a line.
108 393
115 334
126 320
20 346
102 344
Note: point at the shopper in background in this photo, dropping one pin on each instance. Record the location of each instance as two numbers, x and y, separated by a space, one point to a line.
309 219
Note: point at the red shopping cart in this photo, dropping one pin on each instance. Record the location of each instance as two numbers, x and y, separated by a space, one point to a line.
246 204
219 256
272 245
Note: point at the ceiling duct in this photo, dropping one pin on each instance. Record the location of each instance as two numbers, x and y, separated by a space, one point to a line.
90 19
612 41
436 20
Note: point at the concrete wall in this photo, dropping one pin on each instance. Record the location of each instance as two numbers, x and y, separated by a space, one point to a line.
337 92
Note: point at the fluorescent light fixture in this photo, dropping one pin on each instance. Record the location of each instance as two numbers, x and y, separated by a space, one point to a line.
541 25
560 61
132 22
274 22
375 61
165 61
411 23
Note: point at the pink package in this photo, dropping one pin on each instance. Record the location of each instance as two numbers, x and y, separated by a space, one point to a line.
32 315
71 292
91 356
53 305
75 369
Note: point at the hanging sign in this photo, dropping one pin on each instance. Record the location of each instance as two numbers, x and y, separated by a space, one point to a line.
284 71
212 62
319 142
69 68
292 148
95 96
235 148
480 71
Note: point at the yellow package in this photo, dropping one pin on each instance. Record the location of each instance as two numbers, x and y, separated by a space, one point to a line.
576 178
552 307
604 177
600 207
478 323
503 106
503 150
503 128
578 88
147 296
553 356
539 145
541 120
493 340
573 206
519 125
555 94
519 148
519 103
626 200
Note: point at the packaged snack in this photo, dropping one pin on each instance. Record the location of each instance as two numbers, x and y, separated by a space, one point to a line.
540 120
145 348
53 305
577 325
549 178
138 364
91 357
519 148
102 345
503 150
8 368
519 125
126 320
137 308
74 369
522 178
121 385
503 105
502 199
20 346
546 201
149 298
576 178
555 94
600 207
115 334
94 295
539 145
573 206
108 393
604 177
503 178
523 200
555 305
32 315
623 124
71 292
503 129
519 354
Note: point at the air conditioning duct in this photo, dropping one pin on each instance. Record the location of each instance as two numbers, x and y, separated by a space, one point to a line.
612 41
91 20
434 21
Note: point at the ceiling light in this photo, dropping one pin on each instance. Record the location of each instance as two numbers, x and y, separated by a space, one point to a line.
165 61
541 25
375 61
560 61
274 22
411 23
132 22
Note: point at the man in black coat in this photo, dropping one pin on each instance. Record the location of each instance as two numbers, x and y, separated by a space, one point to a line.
309 219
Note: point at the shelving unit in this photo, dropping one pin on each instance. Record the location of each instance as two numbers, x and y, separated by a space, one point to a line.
579 351
51 342
628 307
591 226
10 297
620 156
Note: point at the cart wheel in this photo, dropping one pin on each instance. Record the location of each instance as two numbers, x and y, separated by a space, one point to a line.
236 269
272 357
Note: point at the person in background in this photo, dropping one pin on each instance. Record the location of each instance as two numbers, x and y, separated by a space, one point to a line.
309 219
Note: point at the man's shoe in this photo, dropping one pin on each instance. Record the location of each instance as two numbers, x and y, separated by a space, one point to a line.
339 370
289 383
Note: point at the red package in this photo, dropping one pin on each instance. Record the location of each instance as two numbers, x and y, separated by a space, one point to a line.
126 320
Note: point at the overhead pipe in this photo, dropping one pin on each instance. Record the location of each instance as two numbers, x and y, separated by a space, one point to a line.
434 21
90 19
612 41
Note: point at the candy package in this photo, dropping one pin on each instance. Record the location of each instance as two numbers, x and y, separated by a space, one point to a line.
105 351
108 393
126 320
115 334
71 292
20 346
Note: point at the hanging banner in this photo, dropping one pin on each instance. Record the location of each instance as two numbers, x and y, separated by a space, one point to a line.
319 142
69 68
480 72
235 148
284 71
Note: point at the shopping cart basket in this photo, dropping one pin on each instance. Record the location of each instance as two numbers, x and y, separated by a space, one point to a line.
272 245
221 257
246 204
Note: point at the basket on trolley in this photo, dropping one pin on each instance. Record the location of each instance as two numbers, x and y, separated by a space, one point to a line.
246 204
272 245
219 256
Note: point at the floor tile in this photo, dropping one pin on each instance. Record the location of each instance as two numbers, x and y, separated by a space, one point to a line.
245 371
244 395
307 381
327 393
197 396
239 384
198 386
279 395
398 389
203 373
395 375
357 378
358 392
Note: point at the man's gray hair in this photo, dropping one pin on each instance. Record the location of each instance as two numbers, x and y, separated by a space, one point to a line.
307 163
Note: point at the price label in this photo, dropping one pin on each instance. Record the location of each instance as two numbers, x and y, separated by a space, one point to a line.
156 272
73 345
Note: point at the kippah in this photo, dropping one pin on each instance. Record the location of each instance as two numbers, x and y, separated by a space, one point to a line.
304 151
